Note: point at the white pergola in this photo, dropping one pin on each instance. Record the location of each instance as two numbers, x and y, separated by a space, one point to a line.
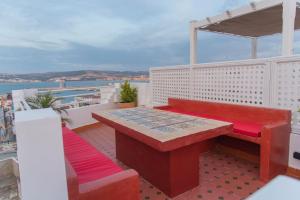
258 19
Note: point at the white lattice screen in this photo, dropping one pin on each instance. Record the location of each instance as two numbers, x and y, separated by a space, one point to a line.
273 82
244 84
286 85
173 82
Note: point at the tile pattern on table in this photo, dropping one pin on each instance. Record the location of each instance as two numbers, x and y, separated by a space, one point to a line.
160 125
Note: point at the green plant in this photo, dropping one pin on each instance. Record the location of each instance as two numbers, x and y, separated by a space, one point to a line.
47 100
128 94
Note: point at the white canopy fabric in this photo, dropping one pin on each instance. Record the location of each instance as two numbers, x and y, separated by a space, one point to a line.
255 24
254 20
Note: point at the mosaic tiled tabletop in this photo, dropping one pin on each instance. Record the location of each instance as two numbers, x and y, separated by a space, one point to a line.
160 125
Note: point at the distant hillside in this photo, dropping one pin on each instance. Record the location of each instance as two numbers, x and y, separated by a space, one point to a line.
75 75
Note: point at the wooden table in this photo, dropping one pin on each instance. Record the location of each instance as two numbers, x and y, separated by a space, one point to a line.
162 146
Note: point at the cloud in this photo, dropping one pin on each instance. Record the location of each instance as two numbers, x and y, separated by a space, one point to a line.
53 25
121 34
26 26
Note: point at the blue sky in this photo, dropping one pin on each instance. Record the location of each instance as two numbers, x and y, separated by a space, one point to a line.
63 35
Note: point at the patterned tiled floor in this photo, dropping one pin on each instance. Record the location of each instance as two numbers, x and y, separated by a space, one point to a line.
221 176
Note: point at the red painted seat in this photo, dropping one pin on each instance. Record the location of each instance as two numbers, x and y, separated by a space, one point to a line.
88 163
245 128
91 175
262 130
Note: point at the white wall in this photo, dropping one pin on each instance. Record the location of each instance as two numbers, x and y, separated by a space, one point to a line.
144 93
41 155
82 116
294 147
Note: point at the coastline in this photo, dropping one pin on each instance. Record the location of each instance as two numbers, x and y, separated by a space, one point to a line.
8 87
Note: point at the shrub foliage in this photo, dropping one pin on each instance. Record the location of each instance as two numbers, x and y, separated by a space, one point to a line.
128 94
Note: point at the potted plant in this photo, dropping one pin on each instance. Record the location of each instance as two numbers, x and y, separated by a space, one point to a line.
48 100
128 96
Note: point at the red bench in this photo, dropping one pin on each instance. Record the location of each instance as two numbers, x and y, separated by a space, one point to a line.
91 175
266 127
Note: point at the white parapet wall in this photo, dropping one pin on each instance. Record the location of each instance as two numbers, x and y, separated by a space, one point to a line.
144 97
82 116
41 155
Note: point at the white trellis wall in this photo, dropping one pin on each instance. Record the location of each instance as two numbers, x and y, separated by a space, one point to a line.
170 82
286 83
241 83
271 82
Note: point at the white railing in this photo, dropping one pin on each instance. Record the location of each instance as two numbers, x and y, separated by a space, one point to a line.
271 82
79 110
21 104
105 94
79 100
19 97
44 90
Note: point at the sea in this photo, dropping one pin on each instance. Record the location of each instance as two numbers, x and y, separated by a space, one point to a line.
8 87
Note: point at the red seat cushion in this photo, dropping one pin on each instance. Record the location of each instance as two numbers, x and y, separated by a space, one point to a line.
250 129
245 128
88 163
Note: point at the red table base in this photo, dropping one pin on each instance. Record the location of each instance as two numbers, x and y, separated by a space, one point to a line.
173 172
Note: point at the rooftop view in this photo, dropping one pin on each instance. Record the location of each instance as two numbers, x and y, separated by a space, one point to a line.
142 100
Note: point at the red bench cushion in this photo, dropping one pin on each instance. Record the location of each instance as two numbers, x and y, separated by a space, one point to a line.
88 163
249 129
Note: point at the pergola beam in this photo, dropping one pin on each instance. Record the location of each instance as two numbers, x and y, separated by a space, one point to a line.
254 48
288 26
193 43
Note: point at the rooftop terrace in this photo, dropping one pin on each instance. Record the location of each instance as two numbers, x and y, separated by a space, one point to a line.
257 101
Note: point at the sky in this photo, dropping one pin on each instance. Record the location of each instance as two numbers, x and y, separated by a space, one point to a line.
121 35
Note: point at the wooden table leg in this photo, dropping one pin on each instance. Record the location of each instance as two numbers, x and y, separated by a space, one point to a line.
173 172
